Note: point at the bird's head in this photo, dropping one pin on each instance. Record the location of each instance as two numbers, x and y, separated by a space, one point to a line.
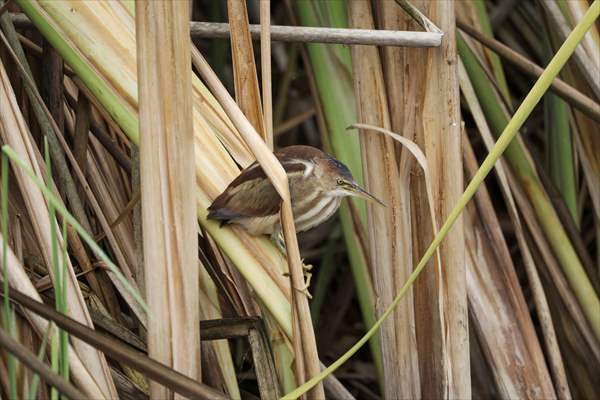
337 180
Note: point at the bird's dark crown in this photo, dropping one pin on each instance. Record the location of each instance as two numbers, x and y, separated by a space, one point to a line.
340 168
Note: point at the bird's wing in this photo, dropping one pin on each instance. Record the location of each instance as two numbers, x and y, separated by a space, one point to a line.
251 194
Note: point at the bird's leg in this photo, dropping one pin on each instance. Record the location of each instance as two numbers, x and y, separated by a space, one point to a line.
277 239
304 288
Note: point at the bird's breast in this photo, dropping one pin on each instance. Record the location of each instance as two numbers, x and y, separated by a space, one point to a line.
312 210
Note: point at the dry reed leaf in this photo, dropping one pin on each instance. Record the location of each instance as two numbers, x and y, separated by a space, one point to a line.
167 173
247 93
15 133
417 153
421 159
502 336
588 68
591 40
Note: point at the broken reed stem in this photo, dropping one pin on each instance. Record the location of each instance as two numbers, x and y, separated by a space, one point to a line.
170 239
306 34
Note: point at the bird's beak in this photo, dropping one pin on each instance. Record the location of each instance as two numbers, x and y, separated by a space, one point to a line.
360 192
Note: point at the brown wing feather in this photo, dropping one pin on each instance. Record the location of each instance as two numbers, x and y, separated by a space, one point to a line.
252 198
251 194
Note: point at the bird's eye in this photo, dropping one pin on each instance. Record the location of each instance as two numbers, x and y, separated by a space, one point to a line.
340 182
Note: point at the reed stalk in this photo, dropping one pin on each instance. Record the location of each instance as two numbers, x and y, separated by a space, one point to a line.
170 239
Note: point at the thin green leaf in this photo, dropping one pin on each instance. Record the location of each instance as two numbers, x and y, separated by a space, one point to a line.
7 308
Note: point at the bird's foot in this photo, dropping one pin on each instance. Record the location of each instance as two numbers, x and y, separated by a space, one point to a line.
277 239
304 288
306 285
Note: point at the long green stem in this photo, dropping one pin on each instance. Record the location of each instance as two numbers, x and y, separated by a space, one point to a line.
55 352
509 133
8 315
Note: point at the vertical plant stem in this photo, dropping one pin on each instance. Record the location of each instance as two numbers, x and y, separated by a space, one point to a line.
7 310
56 352
167 176
444 155
265 62
52 84
559 142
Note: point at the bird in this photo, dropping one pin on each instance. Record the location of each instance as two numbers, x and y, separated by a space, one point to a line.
317 182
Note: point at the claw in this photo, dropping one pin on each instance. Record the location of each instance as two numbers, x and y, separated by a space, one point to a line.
304 288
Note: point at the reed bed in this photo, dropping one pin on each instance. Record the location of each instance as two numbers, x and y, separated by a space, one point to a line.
119 125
